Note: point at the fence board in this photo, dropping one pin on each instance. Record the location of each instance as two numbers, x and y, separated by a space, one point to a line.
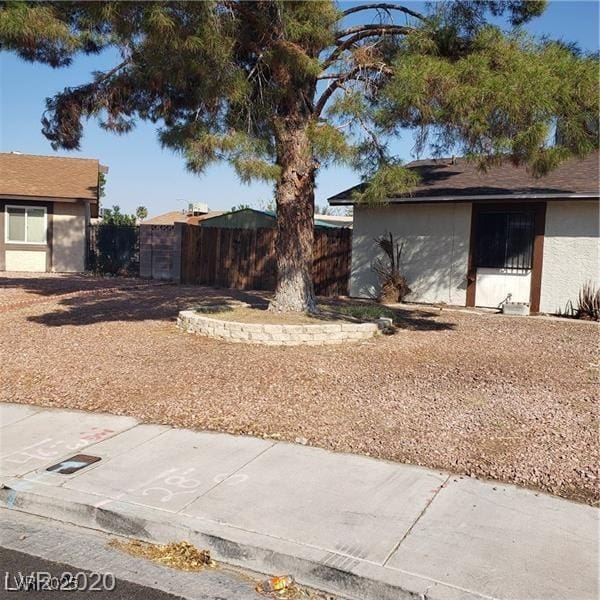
245 258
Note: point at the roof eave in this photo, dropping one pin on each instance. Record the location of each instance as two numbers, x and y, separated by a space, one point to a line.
336 201
34 198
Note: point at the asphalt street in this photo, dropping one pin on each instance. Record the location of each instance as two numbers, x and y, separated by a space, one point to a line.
17 567
32 546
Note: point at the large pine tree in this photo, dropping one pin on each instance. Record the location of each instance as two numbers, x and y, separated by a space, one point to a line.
279 88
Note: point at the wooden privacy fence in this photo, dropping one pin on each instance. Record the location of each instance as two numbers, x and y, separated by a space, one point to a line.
245 258
157 251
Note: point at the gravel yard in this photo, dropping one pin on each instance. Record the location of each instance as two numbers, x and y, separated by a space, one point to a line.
30 288
513 399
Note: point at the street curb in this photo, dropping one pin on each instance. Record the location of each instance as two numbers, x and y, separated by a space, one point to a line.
350 577
84 549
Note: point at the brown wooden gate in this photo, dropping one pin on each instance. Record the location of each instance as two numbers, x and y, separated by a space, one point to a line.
245 258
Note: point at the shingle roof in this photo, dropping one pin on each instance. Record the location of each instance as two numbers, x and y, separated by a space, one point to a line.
48 176
178 216
448 180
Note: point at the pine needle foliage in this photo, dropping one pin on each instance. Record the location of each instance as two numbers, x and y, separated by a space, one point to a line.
215 77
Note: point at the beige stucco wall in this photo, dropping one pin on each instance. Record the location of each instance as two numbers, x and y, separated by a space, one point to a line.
436 249
571 251
32 261
68 237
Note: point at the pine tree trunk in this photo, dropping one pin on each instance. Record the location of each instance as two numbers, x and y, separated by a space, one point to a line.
295 193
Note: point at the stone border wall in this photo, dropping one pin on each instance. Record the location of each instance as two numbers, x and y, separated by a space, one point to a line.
277 335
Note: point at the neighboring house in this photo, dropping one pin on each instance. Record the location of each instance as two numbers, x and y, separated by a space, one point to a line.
477 239
180 216
336 220
46 203
251 218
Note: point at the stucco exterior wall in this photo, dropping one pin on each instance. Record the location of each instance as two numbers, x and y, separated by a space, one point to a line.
571 251
436 249
68 237
32 261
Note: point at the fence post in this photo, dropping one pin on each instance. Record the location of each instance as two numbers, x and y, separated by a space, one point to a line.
146 251
176 253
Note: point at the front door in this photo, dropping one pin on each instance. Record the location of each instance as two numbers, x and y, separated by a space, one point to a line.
503 257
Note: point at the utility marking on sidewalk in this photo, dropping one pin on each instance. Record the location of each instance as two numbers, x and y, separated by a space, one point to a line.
11 498
230 476
16 487
50 447
168 483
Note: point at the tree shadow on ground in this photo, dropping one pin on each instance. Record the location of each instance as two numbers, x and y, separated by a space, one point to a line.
162 303
415 319
42 284
152 303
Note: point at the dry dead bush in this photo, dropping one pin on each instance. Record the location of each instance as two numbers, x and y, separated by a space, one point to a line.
588 304
393 286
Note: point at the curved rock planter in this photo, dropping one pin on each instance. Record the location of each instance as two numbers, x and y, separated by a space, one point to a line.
278 335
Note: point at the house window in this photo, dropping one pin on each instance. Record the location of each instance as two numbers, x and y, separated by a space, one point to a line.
26 224
505 240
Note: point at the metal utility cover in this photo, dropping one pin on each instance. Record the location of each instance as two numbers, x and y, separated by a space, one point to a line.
73 464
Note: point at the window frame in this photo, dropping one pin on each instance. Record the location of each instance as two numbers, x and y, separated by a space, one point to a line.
520 262
26 207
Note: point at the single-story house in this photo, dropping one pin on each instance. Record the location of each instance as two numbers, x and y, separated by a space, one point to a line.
251 218
474 238
46 203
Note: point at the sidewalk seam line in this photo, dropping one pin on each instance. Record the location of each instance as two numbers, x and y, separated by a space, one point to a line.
226 478
395 548
94 466
18 420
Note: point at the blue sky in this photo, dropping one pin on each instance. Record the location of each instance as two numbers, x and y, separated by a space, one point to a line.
142 173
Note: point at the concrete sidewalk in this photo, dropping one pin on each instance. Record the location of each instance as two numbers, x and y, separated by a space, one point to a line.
350 525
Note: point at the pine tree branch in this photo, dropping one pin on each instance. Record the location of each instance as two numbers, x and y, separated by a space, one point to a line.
362 33
329 90
108 74
381 67
375 29
343 78
385 7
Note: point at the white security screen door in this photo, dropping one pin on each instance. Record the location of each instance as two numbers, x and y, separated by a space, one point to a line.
504 257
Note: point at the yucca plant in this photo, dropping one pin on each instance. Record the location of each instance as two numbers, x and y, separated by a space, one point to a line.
393 286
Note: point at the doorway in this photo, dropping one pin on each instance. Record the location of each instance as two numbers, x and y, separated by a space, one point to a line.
505 254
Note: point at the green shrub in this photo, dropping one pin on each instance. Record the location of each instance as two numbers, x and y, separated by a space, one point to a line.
366 312
213 308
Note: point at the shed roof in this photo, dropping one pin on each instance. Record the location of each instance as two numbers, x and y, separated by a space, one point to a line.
459 179
248 218
34 176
